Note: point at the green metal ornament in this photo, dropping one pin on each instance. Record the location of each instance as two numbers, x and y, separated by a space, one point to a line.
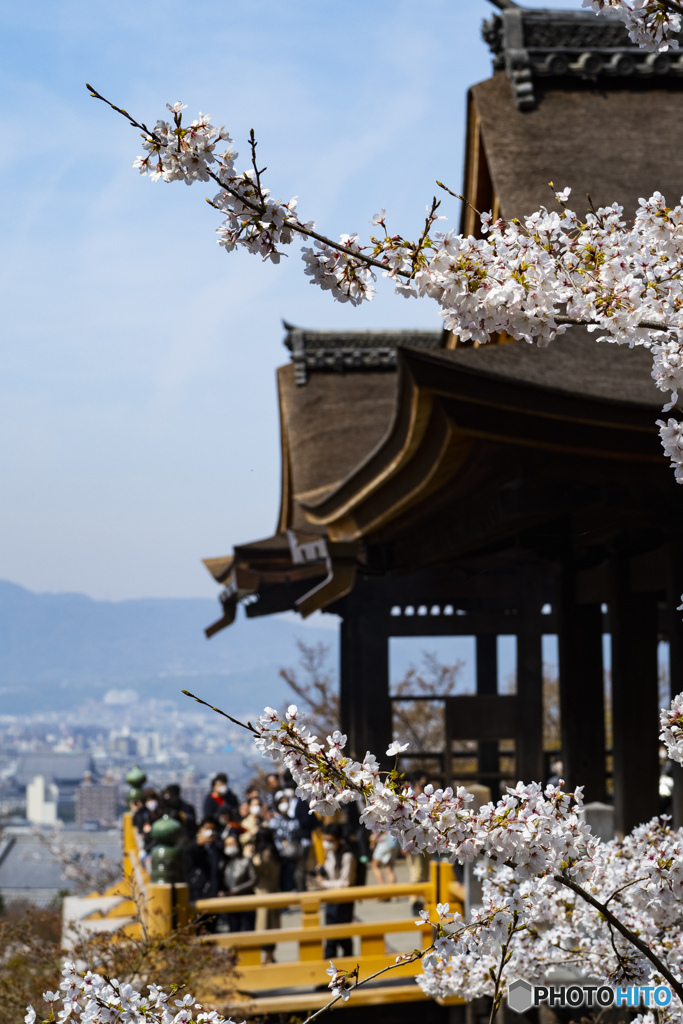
166 863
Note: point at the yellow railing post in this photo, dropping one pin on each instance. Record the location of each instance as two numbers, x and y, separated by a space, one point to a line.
310 918
160 908
433 892
129 844
372 945
445 880
182 905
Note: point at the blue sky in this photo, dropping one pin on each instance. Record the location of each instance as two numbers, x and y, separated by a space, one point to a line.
137 404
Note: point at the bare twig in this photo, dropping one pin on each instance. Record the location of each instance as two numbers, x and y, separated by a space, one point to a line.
456 195
119 110
252 146
429 220
249 727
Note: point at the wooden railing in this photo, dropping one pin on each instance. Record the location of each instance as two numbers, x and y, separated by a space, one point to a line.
269 987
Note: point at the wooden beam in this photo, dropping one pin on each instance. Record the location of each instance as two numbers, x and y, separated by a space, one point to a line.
473 623
487 717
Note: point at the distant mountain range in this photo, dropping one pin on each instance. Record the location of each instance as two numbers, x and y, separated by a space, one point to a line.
58 649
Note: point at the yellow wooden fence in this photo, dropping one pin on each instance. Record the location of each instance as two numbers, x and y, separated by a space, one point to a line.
281 986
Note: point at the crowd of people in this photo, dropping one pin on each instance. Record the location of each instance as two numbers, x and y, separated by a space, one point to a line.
269 842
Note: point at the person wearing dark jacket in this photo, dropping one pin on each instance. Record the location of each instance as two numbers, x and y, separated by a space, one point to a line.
337 872
144 818
177 808
204 867
221 800
239 879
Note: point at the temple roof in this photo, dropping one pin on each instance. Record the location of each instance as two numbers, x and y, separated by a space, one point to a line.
339 351
419 465
617 145
573 364
540 48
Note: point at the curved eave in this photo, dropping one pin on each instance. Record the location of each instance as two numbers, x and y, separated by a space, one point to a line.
445 407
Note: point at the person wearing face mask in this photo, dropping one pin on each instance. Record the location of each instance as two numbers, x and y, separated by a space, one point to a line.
338 871
252 795
177 808
147 815
266 861
252 819
221 800
239 879
287 836
204 868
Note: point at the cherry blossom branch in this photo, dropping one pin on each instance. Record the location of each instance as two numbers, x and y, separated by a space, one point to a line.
646 325
341 977
497 976
672 5
294 225
630 936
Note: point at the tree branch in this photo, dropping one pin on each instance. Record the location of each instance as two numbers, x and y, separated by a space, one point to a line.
672 5
417 955
631 937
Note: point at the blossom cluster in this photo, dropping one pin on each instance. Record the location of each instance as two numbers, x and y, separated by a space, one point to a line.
554 929
652 24
671 721
92 999
177 153
349 279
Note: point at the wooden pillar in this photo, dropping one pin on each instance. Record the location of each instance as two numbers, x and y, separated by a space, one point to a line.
487 685
675 633
364 684
582 700
633 624
529 739
348 681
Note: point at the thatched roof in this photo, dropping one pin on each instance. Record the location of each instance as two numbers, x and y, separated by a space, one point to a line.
574 364
616 144
337 411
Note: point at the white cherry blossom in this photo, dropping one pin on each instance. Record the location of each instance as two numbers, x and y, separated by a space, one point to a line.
651 24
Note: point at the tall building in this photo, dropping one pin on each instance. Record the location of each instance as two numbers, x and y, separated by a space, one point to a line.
97 803
42 799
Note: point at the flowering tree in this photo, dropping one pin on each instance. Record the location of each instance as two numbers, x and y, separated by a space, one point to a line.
554 895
